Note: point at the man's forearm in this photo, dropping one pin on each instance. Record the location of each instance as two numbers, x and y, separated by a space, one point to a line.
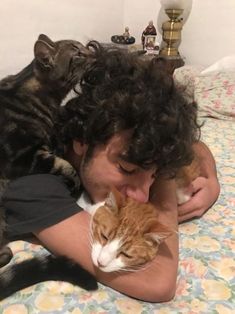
206 187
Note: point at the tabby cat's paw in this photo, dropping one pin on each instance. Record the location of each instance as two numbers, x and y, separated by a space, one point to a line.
74 184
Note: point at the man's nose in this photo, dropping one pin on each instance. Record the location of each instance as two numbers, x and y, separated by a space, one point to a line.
140 193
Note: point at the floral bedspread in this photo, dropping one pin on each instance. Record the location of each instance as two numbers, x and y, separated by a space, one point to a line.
206 278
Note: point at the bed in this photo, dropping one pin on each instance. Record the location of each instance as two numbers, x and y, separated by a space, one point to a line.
206 276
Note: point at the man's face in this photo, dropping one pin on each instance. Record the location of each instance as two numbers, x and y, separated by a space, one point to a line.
107 168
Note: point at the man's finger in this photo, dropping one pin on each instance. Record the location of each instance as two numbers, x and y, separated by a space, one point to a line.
189 206
198 184
195 214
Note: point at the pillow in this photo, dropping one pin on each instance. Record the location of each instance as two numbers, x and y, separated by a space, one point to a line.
215 95
225 64
184 78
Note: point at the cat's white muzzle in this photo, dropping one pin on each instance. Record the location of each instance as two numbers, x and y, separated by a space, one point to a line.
105 257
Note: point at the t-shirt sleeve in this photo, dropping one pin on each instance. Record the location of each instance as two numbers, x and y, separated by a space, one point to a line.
36 202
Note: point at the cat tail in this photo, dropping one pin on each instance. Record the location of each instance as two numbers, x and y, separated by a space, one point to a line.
44 268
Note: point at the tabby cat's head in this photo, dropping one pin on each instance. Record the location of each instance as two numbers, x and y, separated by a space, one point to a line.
126 234
60 64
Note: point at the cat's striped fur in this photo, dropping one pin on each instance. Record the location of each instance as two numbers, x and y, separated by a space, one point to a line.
43 268
29 104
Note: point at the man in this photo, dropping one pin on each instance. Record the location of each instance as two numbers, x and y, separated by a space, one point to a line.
128 127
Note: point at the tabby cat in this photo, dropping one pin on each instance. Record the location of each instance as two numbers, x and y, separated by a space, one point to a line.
125 236
29 103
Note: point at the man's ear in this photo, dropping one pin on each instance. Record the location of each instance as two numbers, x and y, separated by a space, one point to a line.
79 148
44 50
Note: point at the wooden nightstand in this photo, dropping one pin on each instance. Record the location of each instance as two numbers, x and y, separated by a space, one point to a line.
171 63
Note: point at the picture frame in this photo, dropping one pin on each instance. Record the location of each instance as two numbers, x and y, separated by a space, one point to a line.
151 45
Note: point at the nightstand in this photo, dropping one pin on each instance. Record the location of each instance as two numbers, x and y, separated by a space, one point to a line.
172 63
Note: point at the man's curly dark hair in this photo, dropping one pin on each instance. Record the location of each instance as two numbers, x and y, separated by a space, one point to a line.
122 91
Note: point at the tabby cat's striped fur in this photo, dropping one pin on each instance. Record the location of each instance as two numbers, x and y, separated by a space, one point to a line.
29 103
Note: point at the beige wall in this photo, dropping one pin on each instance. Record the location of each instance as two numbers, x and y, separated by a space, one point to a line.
209 32
22 20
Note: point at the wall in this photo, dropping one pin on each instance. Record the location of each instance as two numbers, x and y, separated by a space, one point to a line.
22 20
208 34
138 13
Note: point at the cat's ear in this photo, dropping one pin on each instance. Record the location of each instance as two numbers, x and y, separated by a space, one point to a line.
158 232
44 50
114 200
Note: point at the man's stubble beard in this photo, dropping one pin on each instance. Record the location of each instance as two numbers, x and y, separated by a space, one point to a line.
89 182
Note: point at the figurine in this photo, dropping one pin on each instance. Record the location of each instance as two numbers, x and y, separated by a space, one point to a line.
124 39
126 34
149 30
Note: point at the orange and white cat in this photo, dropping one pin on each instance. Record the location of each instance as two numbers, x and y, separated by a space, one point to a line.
125 234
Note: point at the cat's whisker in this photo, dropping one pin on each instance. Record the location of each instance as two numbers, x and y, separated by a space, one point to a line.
133 269
91 239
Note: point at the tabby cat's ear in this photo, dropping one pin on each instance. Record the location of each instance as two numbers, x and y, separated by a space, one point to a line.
114 200
44 50
159 232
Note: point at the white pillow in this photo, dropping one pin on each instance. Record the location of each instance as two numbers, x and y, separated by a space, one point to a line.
225 64
184 78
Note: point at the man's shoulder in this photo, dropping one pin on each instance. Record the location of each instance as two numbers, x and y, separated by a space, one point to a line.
36 184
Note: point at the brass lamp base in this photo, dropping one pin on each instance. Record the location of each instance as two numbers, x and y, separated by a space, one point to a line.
172 33
169 51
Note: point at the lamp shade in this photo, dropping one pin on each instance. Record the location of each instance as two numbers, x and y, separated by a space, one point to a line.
174 4
185 5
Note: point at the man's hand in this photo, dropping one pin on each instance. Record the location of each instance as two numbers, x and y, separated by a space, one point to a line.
205 193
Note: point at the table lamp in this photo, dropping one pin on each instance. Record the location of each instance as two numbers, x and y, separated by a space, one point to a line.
172 28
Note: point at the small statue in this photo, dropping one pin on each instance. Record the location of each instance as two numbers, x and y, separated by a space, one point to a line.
149 30
126 34
124 39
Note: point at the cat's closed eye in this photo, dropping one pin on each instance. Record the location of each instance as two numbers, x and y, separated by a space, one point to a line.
124 254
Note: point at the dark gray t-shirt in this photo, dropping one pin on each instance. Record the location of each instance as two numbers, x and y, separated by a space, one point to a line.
36 202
